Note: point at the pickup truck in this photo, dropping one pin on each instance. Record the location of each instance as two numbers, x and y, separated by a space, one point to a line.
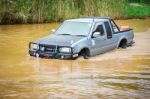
85 37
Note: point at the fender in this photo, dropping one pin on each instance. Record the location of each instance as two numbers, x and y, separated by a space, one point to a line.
79 45
81 48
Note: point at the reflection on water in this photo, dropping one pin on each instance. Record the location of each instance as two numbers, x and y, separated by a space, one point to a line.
25 77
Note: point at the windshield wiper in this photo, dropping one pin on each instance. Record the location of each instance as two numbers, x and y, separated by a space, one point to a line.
64 34
72 35
80 35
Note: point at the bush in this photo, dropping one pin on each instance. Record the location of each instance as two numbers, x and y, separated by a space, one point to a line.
141 11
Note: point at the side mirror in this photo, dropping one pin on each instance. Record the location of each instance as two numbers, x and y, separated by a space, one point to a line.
53 30
96 34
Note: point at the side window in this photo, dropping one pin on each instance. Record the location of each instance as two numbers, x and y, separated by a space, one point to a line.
100 29
114 27
108 30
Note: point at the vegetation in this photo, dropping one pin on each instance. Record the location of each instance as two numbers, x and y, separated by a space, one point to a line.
39 11
137 11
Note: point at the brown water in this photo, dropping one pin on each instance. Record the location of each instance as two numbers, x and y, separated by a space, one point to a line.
121 73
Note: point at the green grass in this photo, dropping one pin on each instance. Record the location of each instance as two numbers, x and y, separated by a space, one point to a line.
42 11
141 11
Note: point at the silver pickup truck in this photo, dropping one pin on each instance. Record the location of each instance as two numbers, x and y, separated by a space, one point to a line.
85 37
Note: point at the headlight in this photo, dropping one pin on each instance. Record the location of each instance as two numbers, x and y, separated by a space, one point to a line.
34 46
65 50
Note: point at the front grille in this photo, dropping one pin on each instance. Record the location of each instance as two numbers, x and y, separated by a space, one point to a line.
48 48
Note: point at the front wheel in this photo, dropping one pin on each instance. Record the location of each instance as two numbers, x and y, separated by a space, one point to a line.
85 56
85 53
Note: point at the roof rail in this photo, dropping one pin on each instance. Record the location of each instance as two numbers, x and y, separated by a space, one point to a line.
92 17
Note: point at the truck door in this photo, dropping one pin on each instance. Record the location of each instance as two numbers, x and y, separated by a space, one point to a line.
110 42
98 39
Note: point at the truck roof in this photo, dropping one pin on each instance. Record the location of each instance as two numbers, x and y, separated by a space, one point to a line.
90 19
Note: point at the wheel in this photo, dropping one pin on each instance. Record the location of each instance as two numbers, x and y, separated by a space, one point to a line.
85 56
85 53
124 45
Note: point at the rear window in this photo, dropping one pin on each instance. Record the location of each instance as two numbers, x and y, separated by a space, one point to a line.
108 30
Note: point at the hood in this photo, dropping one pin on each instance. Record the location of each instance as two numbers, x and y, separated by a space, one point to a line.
61 40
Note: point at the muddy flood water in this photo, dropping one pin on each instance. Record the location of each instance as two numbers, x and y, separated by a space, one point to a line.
121 73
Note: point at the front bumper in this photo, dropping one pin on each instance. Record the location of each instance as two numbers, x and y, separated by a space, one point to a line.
52 55
50 51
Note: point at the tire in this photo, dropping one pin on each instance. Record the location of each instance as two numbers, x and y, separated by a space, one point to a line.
85 53
124 45
85 56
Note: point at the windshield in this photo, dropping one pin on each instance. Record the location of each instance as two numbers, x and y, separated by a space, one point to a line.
74 28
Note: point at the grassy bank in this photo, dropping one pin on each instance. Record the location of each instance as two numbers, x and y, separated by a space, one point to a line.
39 11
